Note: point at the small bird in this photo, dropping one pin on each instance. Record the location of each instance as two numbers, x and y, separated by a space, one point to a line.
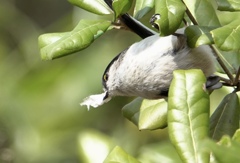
146 68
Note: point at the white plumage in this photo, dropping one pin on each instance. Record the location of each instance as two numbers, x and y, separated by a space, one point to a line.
145 69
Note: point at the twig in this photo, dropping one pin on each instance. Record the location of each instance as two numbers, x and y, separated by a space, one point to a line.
237 76
227 81
191 17
230 76
224 67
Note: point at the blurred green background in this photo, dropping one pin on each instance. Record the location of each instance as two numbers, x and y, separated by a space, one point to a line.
41 120
40 116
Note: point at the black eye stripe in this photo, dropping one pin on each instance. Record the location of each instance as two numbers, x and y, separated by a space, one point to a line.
105 74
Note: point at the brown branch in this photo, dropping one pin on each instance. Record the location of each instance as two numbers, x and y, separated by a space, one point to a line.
227 81
194 21
237 76
224 67
215 52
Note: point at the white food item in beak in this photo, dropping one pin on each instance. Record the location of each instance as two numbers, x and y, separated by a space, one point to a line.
95 100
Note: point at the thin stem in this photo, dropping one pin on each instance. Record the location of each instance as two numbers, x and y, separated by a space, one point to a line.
227 81
224 67
237 80
191 17
237 76
193 20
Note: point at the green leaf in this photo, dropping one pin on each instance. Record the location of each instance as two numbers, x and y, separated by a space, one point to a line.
79 38
95 6
147 114
236 136
142 7
225 140
94 146
228 5
158 152
203 12
198 35
225 119
49 38
171 15
121 6
225 152
131 111
228 37
188 114
231 59
118 155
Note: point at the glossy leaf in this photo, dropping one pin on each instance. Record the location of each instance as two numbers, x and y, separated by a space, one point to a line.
198 35
171 15
131 111
228 5
225 119
203 12
228 37
188 114
147 114
142 7
79 38
121 6
94 6
49 38
118 155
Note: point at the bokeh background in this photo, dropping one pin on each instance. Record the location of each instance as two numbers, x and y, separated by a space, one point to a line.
40 116
41 120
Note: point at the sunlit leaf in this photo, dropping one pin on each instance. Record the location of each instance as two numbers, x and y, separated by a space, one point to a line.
228 5
161 150
198 35
188 114
225 152
171 15
203 12
49 38
79 38
228 37
118 155
131 111
93 145
94 6
142 7
121 6
225 119
147 114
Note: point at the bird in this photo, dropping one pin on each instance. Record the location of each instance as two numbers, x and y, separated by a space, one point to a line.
145 69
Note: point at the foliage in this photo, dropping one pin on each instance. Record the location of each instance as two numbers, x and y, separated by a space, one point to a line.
187 112
82 36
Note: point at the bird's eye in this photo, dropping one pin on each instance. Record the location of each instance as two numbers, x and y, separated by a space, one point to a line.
105 77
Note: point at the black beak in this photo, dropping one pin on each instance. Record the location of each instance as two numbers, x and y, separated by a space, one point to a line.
106 96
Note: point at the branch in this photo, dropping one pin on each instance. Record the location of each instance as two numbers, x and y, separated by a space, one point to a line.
215 51
224 67
237 80
130 23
